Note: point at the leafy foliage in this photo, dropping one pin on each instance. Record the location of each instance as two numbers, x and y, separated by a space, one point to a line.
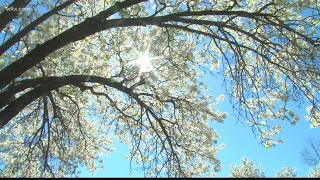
70 83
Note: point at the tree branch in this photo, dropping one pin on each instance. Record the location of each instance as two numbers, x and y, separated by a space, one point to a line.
116 8
14 39
54 83
8 15
78 32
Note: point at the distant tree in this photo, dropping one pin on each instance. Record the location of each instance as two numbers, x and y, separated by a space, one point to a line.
246 170
310 153
286 172
315 173
77 74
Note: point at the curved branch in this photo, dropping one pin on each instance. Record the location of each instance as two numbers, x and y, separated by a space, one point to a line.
94 25
76 33
116 8
252 15
7 95
14 39
54 83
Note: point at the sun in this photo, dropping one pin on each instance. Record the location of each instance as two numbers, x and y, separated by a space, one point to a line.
144 60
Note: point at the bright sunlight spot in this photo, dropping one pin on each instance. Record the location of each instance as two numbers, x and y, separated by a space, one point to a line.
143 61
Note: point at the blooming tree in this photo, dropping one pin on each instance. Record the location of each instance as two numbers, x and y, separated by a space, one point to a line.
246 170
77 74
286 172
315 173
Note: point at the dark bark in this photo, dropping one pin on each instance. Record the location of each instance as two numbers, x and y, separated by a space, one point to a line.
14 39
78 32
99 23
7 95
50 84
83 30
7 16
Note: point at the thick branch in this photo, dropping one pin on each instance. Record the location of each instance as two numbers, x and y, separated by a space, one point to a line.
14 39
54 83
78 32
222 13
11 12
116 8
94 25
7 95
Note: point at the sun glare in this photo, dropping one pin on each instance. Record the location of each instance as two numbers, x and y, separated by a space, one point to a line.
144 58
143 61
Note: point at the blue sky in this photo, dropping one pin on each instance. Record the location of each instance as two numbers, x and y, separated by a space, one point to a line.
240 142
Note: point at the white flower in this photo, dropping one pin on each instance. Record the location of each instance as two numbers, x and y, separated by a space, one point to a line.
220 98
215 65
11 28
